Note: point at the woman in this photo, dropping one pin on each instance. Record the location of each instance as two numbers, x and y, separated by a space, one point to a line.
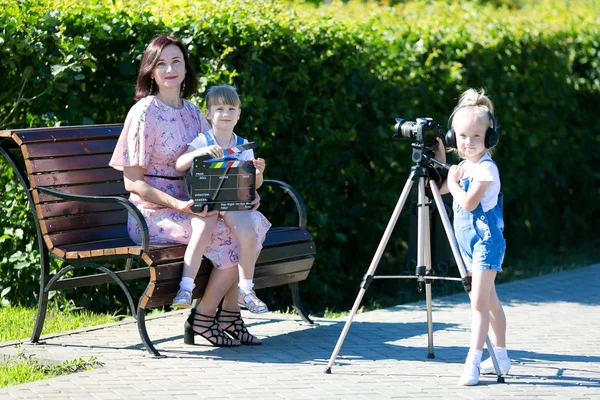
156 132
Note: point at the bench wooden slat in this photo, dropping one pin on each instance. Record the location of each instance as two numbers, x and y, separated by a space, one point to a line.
277 280
271 254
49 210
284 235
283 268
74 148
113 252
107 247
70 164
89 280
94 189
91 234
76 177
66 133
84 221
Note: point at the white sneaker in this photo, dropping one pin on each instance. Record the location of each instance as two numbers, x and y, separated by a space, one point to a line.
251 302
183 299
487 366
470 376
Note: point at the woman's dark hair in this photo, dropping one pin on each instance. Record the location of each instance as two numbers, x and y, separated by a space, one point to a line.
144 85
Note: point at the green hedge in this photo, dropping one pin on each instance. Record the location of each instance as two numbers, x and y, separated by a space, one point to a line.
321 88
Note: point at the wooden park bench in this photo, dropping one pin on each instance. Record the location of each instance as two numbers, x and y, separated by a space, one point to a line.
80 207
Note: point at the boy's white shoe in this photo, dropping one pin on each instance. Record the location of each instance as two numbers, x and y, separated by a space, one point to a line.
487 366
470 376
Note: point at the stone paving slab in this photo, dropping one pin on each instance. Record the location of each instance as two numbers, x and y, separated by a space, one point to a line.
553 334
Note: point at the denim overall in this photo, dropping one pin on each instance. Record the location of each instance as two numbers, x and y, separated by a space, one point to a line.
479 234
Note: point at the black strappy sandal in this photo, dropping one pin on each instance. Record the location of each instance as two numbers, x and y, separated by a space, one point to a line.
234 326
212 331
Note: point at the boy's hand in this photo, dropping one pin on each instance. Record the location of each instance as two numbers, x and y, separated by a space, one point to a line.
259 164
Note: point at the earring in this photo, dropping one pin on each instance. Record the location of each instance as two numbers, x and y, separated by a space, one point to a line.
182 89
151 85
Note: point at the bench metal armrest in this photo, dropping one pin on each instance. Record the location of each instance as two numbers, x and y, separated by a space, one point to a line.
133 210
295 196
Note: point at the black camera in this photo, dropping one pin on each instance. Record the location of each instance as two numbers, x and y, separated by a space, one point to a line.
423 131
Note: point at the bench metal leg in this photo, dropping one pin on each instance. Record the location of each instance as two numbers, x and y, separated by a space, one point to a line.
43 302
294 287
19 171
141 323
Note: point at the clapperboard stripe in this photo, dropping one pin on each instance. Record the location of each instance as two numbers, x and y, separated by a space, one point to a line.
240 148
224 164
228 153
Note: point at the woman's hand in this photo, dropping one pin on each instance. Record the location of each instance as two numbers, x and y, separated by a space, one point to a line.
256 202
439 150
186 206
259 164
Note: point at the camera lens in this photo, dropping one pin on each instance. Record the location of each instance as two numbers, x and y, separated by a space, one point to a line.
404 129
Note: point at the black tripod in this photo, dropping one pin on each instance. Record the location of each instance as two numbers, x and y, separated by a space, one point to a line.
419 173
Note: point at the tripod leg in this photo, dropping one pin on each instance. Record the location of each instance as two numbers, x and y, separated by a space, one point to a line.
459 262
424 259
369 275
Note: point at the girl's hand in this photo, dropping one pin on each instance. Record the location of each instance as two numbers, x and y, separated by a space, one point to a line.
259 164
256 202
439 150
455 173
215 151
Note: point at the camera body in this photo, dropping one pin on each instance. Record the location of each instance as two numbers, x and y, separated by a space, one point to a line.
422 132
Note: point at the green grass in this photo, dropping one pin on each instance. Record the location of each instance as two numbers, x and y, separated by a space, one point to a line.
17 322
23 369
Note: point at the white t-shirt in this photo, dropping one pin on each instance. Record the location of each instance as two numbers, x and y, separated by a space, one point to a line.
200 142
485 170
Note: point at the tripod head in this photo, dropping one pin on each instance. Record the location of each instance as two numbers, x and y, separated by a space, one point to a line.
425 165
423 156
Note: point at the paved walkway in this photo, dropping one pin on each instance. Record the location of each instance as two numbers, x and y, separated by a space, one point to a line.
553 333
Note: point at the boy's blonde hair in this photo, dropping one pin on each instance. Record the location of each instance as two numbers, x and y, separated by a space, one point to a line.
223 95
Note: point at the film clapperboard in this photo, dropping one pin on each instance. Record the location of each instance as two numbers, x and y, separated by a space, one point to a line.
224 184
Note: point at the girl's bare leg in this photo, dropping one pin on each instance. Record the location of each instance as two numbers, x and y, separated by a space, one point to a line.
242 225
201 233
497 320
482 284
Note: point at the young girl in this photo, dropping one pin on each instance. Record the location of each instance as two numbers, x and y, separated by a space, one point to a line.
478 225
223 108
